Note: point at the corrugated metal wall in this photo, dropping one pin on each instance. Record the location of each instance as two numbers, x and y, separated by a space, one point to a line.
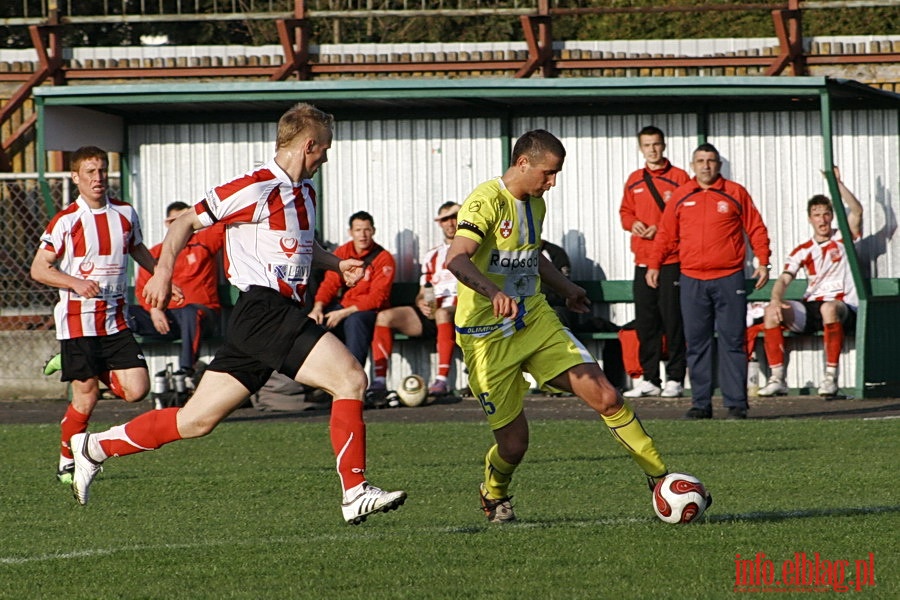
402 170
180 162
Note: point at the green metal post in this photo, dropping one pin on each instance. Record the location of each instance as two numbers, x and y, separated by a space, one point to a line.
320 205
841 215
41 162
505 141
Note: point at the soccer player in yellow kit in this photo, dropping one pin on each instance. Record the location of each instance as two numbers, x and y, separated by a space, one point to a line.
504 324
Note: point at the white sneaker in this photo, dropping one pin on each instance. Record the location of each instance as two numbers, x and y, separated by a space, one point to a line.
86 468
774 387
643 388
672 389
370 500
829 386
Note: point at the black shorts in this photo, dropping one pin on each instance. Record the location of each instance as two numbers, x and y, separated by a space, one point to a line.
814 318
86 357
429 326
266 332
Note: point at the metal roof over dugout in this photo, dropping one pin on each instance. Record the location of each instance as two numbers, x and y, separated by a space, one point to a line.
408 96
118 117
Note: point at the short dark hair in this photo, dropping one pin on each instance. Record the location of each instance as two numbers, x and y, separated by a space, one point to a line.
652 130
361 216
707 147
177 205
536 143
818 200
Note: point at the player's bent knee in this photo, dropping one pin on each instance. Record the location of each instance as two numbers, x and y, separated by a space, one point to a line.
353 385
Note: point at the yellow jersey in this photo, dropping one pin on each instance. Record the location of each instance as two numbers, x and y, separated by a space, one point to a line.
509 233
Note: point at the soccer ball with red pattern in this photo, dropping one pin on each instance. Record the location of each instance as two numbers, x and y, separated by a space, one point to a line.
679 498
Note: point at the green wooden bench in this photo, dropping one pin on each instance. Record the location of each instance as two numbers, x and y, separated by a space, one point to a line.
605 291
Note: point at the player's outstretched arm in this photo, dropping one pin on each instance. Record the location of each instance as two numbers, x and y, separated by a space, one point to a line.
854 207
159 287
351 269
575 295
459 262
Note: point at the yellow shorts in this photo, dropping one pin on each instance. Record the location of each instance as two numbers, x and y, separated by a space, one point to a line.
544 348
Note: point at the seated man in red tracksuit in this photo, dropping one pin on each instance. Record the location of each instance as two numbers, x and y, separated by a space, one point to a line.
196 315
350 312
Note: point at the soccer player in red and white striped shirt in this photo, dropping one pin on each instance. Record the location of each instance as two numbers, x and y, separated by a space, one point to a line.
84 252
270 216
424 319
830 300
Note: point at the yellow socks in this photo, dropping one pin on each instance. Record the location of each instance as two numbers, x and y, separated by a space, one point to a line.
497 474
627 429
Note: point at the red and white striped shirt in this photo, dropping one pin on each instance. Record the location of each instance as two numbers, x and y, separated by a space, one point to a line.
269 229
827 270
442 280
93 244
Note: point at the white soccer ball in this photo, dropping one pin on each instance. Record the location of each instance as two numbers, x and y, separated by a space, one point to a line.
412 391
679 498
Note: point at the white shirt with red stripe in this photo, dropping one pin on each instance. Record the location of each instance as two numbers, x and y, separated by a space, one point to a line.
269 229
93 244
827 270
434 269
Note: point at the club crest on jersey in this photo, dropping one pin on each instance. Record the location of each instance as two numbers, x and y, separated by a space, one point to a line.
85 268
666 195
289 246
505 228
722 206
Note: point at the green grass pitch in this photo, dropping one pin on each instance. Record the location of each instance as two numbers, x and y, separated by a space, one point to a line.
252 512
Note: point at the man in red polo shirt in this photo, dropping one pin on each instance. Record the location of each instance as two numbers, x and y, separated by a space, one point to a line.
350 311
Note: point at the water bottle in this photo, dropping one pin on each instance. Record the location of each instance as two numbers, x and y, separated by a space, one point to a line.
753 378
178 378
160 389
160 383
430 300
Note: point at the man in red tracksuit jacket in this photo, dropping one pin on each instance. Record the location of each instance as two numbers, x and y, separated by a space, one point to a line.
705 222
195 315
657 311
350 311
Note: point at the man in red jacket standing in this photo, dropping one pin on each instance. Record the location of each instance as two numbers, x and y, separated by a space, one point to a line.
705 222
350 311
657 310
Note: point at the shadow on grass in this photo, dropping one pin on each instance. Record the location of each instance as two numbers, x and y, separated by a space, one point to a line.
787 515
859 411
751 517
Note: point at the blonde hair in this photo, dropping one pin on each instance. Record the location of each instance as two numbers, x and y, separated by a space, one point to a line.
302 118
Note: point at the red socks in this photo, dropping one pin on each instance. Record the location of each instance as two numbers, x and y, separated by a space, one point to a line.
348 439
145 432
73 422
112 382
445 343
382 346
834 341
773 341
